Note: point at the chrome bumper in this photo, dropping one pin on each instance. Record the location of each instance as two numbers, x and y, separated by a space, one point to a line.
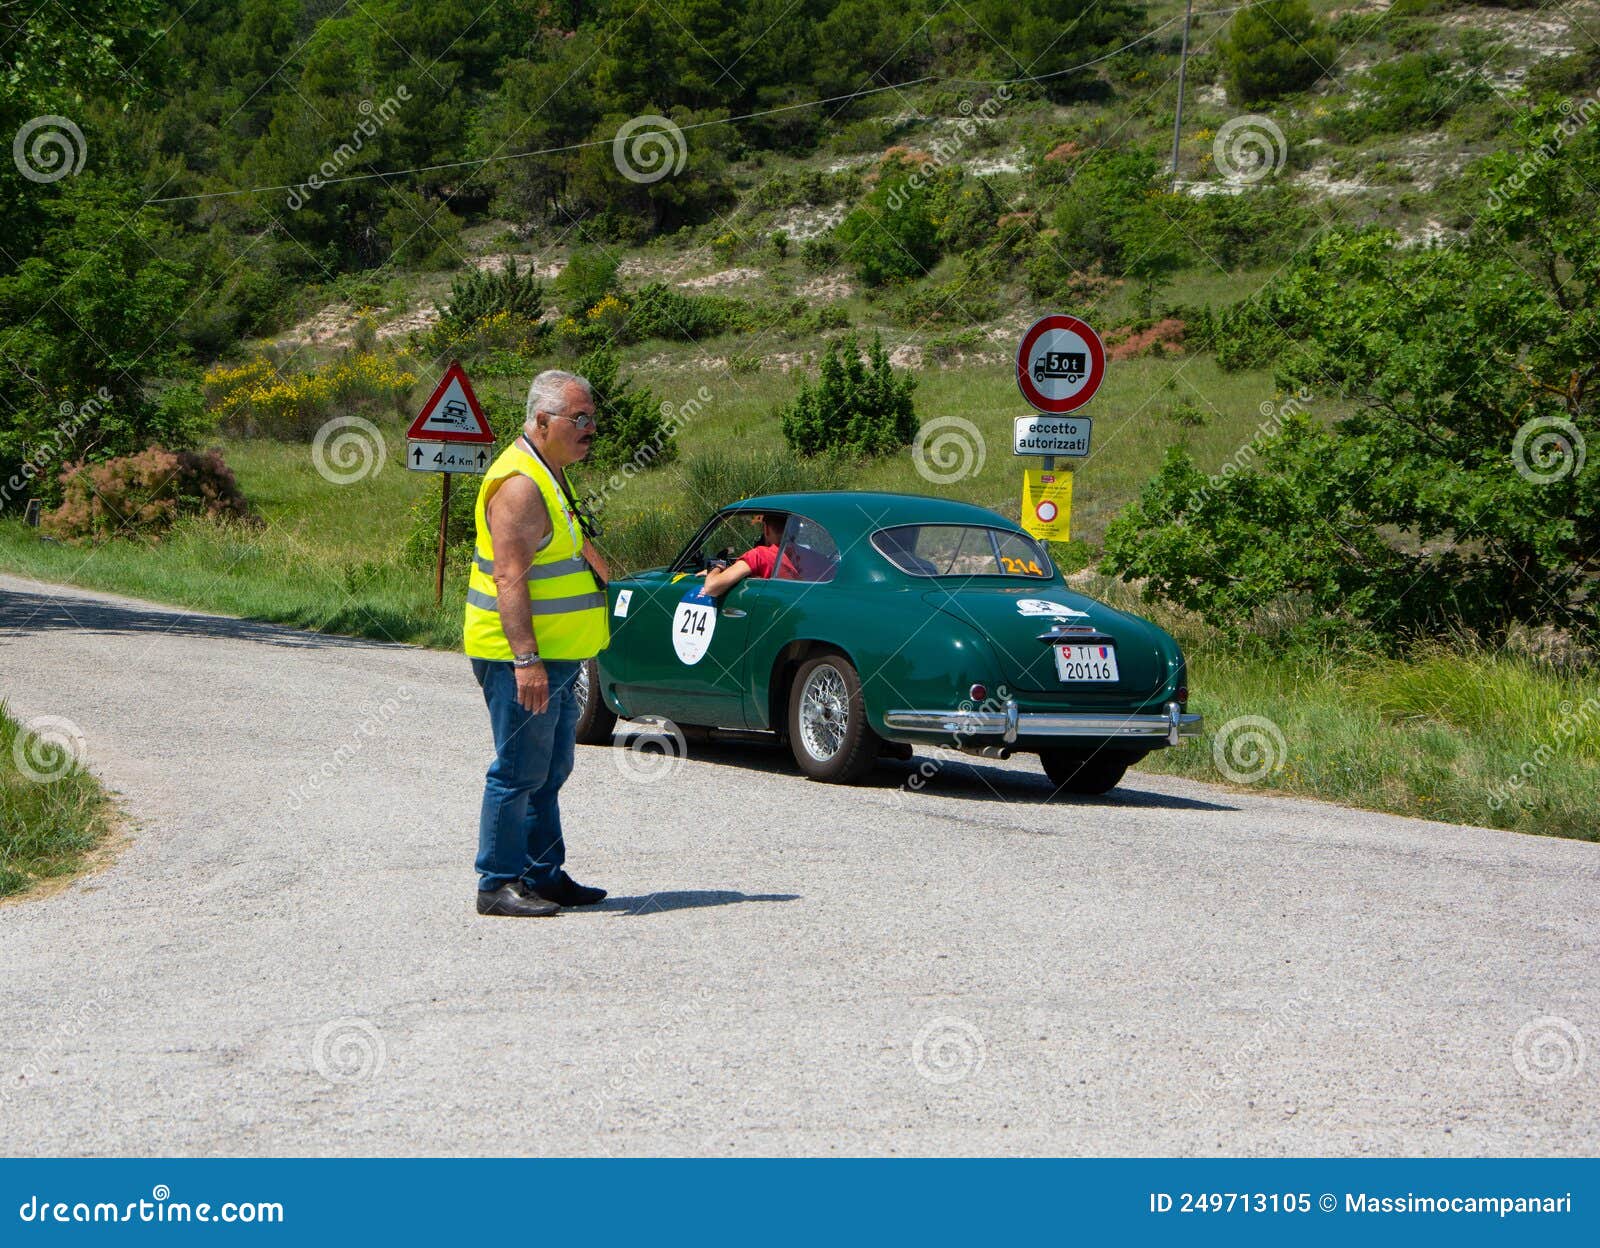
1172 725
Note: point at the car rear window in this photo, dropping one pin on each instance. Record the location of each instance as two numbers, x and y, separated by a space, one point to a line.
962 550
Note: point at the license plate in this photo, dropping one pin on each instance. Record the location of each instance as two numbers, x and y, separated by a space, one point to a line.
1086 663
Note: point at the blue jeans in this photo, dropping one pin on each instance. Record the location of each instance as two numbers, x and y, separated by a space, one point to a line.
519 828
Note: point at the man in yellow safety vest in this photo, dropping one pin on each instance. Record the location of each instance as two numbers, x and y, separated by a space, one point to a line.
536 610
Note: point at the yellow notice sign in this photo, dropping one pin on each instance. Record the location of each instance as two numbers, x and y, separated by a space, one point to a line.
1047 504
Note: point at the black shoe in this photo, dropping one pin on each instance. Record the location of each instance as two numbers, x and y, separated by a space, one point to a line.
511 901
568 892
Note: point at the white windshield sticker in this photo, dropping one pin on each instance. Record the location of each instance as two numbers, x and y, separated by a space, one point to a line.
624 597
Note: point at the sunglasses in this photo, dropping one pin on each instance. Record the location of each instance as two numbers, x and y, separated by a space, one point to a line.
586 421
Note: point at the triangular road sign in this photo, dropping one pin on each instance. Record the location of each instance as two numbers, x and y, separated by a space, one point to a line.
453 413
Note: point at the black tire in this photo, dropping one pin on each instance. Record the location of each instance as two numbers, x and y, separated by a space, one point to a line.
829 735
595 719
1083 773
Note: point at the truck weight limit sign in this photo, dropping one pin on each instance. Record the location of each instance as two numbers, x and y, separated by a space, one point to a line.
1060 363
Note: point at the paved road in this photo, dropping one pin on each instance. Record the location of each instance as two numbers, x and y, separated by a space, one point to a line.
285 958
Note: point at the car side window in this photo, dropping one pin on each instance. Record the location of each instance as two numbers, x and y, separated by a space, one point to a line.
808 552
724 540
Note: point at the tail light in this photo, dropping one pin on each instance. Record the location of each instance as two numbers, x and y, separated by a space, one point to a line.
1183 695
978 692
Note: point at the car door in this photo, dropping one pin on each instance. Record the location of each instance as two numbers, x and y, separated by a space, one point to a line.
686 652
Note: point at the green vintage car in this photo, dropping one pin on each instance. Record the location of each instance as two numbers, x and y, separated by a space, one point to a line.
890 621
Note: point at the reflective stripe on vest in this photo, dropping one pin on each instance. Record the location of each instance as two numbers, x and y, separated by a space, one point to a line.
541 606
566 603
539 571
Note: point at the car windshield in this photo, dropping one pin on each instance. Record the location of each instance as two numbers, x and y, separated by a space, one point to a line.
962 550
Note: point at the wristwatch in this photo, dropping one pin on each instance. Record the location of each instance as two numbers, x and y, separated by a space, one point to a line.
524 660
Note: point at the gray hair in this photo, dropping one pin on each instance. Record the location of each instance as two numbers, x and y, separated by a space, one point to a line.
548 393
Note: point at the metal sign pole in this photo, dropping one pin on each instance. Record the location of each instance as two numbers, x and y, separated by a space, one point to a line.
444 521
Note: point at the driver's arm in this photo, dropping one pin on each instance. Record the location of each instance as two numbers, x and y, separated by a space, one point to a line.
720 580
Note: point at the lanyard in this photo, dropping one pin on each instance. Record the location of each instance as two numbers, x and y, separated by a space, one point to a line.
560 480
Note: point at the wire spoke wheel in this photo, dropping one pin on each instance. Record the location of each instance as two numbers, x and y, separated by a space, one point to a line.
824 713
829 730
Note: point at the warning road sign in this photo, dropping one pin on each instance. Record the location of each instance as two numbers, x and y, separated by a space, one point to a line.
452 414
1060 363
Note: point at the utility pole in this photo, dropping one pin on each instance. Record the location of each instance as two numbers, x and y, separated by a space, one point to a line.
1183 60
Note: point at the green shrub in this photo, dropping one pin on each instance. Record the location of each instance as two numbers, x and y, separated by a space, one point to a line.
658 311
632 427
1274 48
490 310
590 275
1417 90
946 305
894 235
142 495
1254 228
424 233
826 316
819 253
856 408
1105 215
944 347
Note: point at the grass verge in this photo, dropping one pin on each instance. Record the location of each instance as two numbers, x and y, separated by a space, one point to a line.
1459 733
53 813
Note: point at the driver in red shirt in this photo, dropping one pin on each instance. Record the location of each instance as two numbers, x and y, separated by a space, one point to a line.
759 561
